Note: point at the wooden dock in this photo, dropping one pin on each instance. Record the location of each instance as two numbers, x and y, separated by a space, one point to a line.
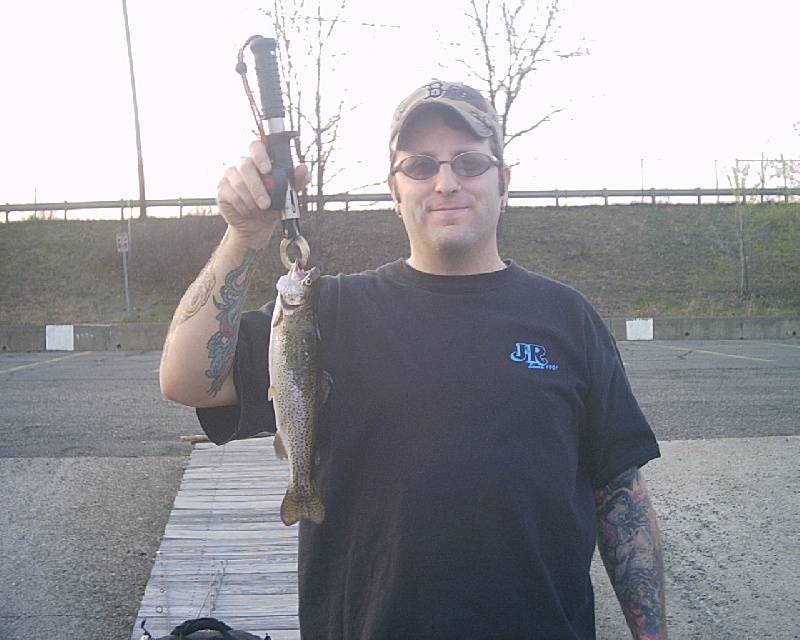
225 552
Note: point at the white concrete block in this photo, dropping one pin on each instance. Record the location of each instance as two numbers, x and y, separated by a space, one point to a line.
59 337
639 329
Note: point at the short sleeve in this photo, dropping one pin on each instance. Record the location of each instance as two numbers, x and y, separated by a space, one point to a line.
254 414
618 435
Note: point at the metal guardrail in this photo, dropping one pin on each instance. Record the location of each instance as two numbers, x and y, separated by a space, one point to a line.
557 195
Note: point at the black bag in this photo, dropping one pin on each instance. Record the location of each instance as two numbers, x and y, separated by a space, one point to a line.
204 629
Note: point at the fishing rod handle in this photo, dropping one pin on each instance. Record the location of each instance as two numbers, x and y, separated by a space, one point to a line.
269 77
279 148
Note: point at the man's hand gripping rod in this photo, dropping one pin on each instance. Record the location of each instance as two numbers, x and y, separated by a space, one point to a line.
278 143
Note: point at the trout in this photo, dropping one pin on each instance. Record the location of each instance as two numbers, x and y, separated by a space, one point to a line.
298 388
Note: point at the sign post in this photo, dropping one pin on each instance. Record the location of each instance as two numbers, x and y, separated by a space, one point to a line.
123 246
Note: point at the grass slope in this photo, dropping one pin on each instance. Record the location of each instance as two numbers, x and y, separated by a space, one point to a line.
629 260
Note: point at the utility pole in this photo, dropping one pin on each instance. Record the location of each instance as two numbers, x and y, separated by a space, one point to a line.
142 197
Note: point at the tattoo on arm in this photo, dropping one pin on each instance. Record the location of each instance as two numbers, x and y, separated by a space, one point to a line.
193 300
630 545
197 296
222 345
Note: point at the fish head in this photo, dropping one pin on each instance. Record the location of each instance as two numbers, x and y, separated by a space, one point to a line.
298 287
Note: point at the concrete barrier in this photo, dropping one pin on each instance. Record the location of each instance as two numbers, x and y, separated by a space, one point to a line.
22 338
149 336
727 328
145 336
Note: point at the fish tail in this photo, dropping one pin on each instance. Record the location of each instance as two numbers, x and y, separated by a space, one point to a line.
294 507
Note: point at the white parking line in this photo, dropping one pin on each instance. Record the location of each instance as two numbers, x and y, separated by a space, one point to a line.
709 353
782 344
37 364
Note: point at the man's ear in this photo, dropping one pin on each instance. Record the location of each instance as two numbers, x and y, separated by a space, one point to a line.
505 178
393 190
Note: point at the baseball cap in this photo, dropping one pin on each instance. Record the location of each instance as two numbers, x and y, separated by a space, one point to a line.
475 110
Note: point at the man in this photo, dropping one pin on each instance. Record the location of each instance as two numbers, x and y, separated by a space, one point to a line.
480 434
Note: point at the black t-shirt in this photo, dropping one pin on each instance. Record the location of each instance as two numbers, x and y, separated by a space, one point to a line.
469 422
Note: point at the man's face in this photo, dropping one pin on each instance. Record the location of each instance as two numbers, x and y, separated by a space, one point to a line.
449 219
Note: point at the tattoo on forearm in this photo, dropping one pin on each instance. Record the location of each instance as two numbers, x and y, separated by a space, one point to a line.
222 345
630 545
193 300
197 296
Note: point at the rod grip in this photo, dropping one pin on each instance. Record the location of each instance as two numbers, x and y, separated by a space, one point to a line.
278 140
269 77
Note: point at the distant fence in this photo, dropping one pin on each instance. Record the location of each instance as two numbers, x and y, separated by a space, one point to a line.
558 196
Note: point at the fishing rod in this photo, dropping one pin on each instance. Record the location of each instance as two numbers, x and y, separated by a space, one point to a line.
277 140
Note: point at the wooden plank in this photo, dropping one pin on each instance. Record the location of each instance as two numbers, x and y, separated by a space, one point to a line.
225 552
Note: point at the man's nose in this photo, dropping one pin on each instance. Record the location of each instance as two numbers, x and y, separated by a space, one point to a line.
446 180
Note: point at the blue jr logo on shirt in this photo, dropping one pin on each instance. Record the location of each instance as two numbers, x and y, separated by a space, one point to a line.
534 355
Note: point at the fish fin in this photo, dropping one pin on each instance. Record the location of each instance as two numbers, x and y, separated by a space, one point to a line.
280 448
325 387
293 508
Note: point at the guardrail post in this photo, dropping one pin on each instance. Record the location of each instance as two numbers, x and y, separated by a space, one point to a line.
699 197
180 207
605 196
652 196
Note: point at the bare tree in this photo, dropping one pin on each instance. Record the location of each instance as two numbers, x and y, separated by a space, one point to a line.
324 127
786 171
510 54
303 42
781 172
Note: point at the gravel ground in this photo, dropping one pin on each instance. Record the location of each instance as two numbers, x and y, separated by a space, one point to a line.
91 459
729 511
90 462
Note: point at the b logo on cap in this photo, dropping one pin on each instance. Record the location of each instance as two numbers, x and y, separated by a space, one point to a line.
458 92
435 90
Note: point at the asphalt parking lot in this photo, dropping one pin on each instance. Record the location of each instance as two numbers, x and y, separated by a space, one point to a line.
91 458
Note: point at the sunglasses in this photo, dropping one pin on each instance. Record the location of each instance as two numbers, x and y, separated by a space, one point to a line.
469 164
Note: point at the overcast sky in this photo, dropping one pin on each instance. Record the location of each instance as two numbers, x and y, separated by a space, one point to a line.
670 95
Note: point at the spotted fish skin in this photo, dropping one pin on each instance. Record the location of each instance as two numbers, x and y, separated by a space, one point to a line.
298 388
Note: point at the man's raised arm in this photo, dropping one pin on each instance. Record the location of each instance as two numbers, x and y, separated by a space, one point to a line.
198 352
